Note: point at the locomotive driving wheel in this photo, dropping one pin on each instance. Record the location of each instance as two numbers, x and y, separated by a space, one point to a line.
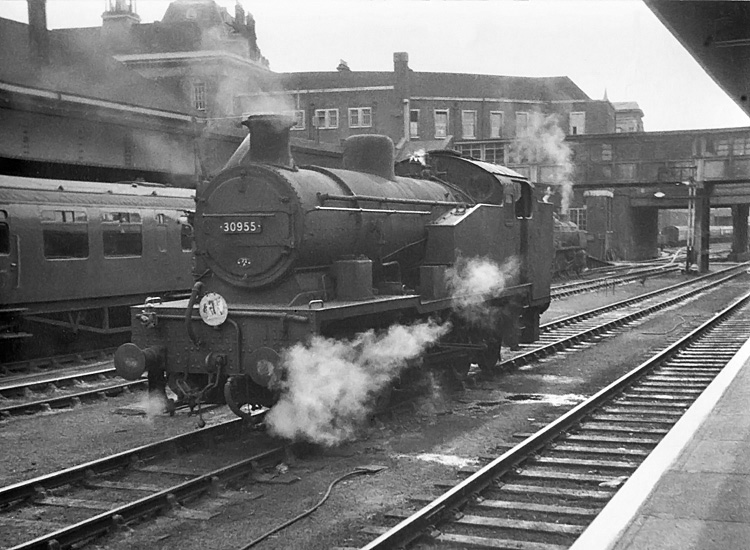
245 398
487 358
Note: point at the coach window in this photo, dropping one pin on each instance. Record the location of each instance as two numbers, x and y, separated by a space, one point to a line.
121 232
65 234
4 233
161 231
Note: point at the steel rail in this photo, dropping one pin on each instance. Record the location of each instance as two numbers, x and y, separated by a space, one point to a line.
640 298
30 488
569 289
424 520
54 362
149 505
52 402
20 383
563 343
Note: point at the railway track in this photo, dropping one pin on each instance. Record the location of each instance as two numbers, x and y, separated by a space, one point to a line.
576 329
67 388
542 493
40 393
82 502
53 363
610 281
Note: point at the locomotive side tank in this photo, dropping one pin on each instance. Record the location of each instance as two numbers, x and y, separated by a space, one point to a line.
283 253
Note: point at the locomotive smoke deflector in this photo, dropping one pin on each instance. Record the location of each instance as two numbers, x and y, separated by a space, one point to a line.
268 141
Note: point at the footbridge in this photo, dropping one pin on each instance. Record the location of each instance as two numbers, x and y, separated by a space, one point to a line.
622 180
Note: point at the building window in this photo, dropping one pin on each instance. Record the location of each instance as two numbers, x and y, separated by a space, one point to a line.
522 123
299 120
741 146
414 123
65 234
199 96
577 123
495 153
121 232
326 118
606 152
469 124
360 117
441 123
473 150
578 217
496 124
488 152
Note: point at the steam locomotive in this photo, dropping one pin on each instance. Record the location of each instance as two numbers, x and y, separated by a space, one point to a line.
285 253
75 255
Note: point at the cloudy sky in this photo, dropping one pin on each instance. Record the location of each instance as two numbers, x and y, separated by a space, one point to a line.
613 45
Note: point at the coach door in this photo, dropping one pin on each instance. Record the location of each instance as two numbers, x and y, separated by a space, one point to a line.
8 257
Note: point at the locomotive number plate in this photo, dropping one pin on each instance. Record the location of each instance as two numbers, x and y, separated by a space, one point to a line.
242 226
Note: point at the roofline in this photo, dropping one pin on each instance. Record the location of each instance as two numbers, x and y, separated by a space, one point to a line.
500 99
82 100
202 55
623 135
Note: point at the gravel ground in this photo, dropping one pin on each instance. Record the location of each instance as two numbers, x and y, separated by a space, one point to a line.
431 441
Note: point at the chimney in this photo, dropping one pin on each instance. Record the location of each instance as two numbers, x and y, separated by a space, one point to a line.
269 139
38 33
117 21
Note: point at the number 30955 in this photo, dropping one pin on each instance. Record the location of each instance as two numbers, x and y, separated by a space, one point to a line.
241 227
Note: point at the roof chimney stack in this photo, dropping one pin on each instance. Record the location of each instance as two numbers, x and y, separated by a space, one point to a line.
38 33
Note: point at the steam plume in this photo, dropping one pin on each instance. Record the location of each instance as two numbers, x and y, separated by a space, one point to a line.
544 143
472 281
331 383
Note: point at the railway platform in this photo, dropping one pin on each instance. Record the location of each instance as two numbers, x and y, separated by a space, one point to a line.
693 490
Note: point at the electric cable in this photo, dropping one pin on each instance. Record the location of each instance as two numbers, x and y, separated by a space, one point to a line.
358 471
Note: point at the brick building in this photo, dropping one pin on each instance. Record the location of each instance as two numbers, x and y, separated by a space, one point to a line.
477 114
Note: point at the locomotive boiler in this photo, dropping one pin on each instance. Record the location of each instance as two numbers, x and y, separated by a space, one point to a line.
283 253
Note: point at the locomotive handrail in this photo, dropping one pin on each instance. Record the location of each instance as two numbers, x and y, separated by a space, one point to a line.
372 210
231 214
247 314
353 198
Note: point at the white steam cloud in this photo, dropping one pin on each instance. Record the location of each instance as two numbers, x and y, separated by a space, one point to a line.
543 143
472 281
330 384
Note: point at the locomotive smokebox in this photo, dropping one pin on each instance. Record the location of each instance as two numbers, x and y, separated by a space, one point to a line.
370 153
269 139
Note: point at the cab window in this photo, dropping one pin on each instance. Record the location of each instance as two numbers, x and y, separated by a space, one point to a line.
525 203
65 234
